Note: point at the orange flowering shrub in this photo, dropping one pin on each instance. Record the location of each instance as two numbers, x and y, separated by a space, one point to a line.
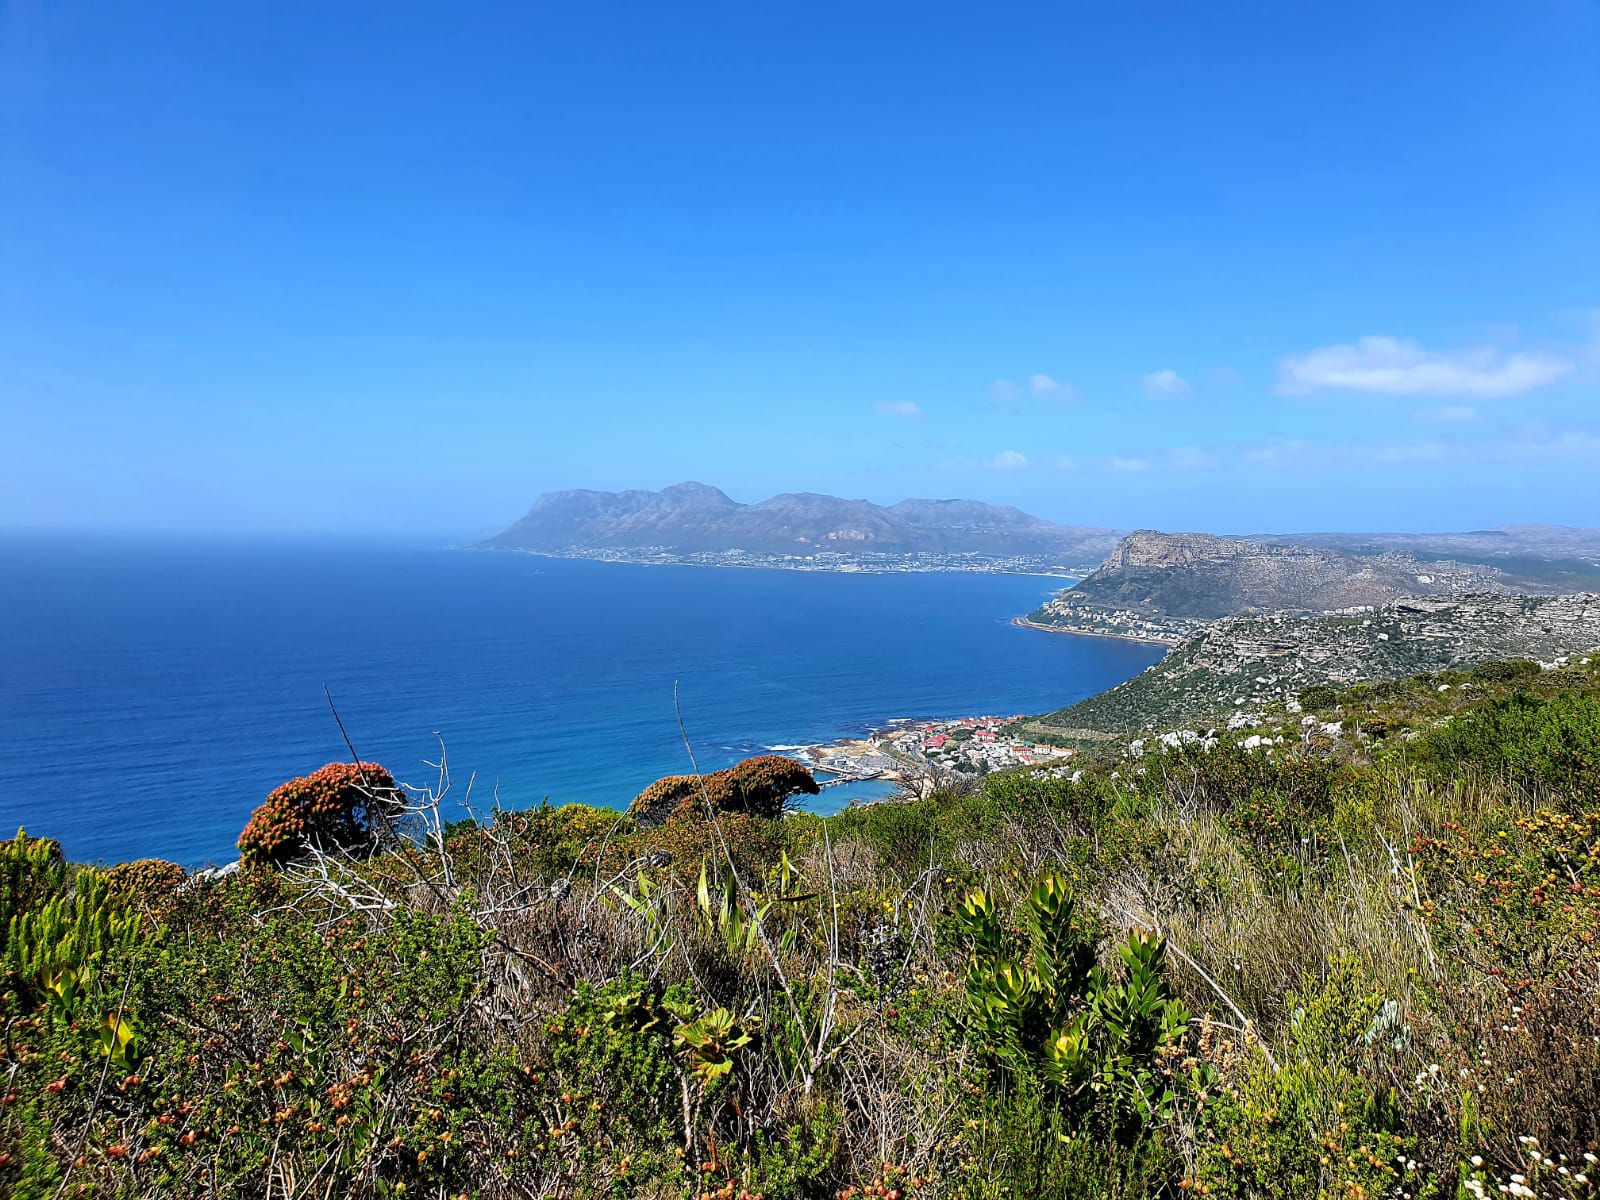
653 805
341 807
758 786
150 884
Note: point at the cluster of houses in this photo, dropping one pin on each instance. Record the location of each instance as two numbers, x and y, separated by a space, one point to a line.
925 750
975 745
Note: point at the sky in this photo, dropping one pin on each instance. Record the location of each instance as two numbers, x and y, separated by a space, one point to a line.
332 268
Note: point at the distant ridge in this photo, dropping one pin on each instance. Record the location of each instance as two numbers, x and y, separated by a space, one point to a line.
1200 577
694 517
1162 587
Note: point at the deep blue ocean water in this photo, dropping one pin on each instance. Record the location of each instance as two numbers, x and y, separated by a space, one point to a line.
152 691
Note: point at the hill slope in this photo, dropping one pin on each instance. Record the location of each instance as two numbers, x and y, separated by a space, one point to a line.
1160 586
1240 665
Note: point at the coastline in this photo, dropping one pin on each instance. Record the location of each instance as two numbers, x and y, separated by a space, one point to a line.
900 564
1087 632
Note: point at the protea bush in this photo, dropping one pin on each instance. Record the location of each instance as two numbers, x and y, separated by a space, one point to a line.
341 808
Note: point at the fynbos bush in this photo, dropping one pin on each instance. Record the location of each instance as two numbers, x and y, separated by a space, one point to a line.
341 808
758 786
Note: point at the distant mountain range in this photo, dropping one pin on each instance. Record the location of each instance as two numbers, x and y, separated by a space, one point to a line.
693 518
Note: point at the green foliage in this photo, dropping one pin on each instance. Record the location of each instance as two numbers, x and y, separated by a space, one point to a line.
1318 1126
1105 1043
1319 697
31 871
1023 1144
550 841
1381 980
1536 743
60 947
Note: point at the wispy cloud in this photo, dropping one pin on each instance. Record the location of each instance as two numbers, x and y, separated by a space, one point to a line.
1043 385
1449 414
1038 384
1398 367
1408 452
906 410
1529 444
1166 384
1192 458
1007 460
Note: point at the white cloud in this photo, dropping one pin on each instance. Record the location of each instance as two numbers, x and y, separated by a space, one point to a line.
1166 385
1130 464
1576 442
1397 367
1192 458
1450 414
1043 385
905 409
1007 460
1405 452
1273 454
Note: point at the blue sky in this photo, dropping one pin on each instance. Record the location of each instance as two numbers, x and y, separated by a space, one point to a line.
1239 267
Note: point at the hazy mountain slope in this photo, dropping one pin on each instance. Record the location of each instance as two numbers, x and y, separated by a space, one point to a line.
1197 576
694 517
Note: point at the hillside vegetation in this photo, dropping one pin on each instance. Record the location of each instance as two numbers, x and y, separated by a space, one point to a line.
1238 670
1352 954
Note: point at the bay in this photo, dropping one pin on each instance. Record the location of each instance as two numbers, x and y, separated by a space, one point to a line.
154 689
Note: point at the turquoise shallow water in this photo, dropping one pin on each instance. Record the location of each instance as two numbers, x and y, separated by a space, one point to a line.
152 691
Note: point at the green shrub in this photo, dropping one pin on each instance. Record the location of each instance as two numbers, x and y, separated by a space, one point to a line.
1316 1125
1532 742
1106 1046
31 871
1318 697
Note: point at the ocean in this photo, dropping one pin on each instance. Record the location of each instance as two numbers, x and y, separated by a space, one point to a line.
154 689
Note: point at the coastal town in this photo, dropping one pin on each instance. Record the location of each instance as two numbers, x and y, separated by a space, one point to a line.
919 754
